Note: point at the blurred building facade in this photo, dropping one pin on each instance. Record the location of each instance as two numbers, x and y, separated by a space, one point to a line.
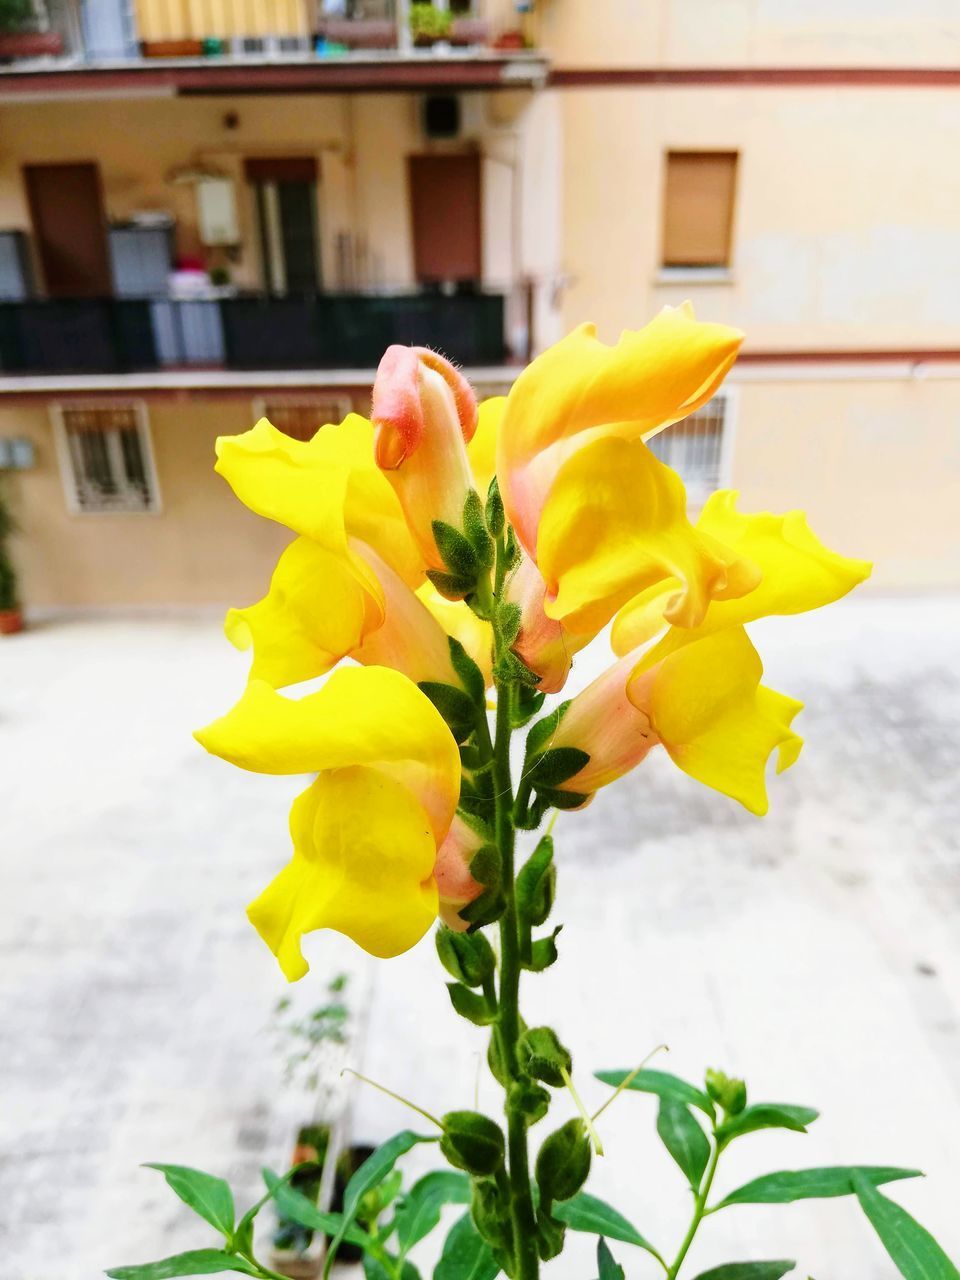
212 210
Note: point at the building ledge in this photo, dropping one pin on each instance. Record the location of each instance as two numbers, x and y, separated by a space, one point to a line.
369 71
213 381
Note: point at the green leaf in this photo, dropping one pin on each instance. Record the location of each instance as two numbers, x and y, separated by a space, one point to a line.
767 1115
370 1174
607 1268
470 675
542 733
419 1211
912 1248
663 1084
456 551
373 1269
589 1214
451 586
206 1195
295 1206
466 1255
456 707
509 617
475 527
471 1005
543 952
494 511
748 1271
681 1134
198 1262
788 1185
557 765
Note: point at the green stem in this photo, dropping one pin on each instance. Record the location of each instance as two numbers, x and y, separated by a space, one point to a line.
521 1202
699 1208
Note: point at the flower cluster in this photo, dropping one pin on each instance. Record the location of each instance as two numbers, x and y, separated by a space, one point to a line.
437 593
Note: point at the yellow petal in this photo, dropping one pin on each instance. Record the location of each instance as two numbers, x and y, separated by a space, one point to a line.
796 573
581 387
362 715
326 488
363 858
482 449
321 604
717 722
614 525
458 620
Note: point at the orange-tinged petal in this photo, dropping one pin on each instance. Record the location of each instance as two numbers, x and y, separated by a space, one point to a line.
581 388
455 884
615 525
545 645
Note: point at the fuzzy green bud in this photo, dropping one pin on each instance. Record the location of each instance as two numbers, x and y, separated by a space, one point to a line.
544 1057
563 1162
729 1092
472 1142
468 957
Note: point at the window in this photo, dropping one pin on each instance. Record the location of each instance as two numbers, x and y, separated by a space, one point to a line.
698 208
286 198
698 448
105 458
301 416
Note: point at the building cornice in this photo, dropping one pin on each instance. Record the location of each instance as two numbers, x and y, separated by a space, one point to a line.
752 77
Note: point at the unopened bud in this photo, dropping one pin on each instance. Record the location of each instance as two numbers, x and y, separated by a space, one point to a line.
472 1142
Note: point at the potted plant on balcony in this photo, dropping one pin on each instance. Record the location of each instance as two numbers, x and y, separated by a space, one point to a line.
428 25
19 37
11 616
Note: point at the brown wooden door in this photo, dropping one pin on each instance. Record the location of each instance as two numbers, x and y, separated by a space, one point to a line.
69 228
445 207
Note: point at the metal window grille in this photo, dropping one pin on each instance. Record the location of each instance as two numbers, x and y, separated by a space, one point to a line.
302 417
696 448
107 463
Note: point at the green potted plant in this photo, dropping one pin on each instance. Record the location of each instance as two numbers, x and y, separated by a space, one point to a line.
19 37
314 1046
11 616
429 25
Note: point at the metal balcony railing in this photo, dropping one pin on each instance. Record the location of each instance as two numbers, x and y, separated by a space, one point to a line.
322 331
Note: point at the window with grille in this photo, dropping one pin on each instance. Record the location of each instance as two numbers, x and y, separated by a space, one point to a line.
697 448
302 417
698 208
105 457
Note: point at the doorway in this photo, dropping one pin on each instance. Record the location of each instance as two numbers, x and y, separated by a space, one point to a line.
69 229
445 206
286 198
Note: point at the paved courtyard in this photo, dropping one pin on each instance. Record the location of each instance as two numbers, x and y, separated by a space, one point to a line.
816 952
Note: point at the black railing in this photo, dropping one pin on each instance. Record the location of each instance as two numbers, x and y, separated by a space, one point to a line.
323 331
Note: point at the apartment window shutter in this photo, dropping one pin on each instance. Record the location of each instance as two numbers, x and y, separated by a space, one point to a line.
698 208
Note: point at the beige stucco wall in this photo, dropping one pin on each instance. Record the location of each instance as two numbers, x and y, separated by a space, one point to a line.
875 461
759 33
361 143
845 228
201 547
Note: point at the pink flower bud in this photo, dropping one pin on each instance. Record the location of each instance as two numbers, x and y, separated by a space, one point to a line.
424 413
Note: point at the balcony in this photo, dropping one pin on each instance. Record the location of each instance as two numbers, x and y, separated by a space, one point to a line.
244 332
196 46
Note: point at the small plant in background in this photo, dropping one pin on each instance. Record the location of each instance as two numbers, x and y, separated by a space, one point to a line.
310 1038
15 15
313 1045
428 25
